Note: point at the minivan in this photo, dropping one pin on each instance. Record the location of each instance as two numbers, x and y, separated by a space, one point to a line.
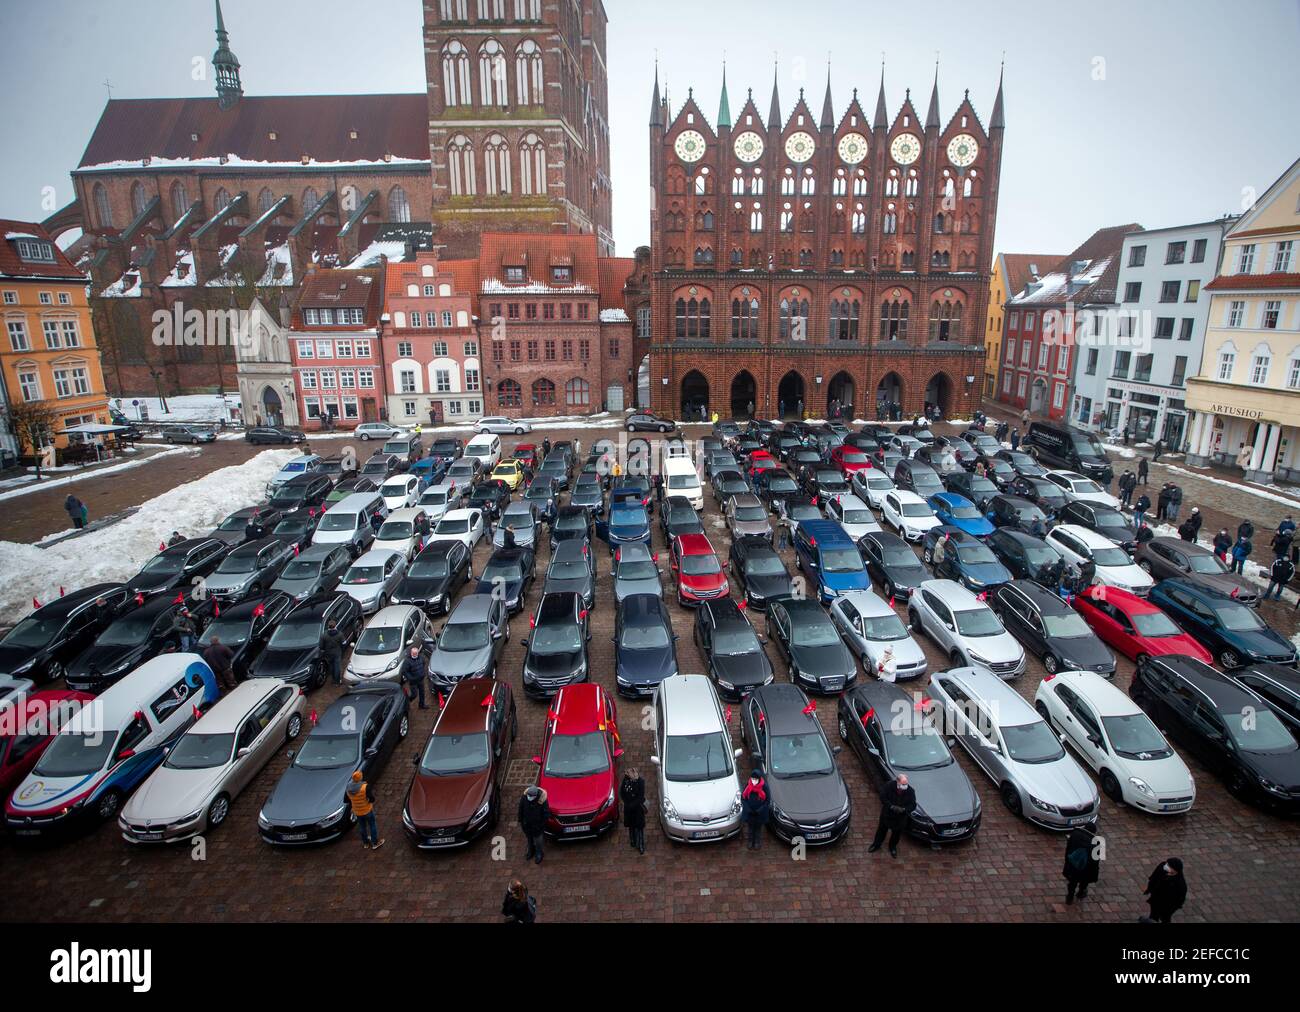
487 448
828 555
1059 446
352 522
699 785
681 478
406 448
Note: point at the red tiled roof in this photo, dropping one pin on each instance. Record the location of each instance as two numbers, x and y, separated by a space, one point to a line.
1275 230
317 125
1253 282
464 273
344 289
12 266
1018 268
536 249
614 272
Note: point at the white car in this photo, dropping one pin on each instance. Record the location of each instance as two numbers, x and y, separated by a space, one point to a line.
699 784
403 531
1077 488
463 525
873 631
1076 545
500 423
436 500
385 643
400 491
853 515
907 513
906 445
870 485
1112 735
965 628
372 579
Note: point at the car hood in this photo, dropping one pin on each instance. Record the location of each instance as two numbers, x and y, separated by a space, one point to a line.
831 660
553 665
1061 782
944 794
646 667
1159 646
751 528
742 670
986 573
977 528
219 582
998 649
280 663
107 659
421 587
13 658
816 798
770 586
697 800
1227 583
906 576
626 588
907 652
298 588
402 545
1105 498
559 584
142 583
1168 776
450 800
369 665
1126 576
1262 641
306 796
510 588
1084 653
169 795
363 592
1281 768
459 663
227 537
525 537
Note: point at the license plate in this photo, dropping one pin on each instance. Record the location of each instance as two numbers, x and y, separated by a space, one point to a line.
823 835
27 832
706 834
293 836
442 841
951 832
150 835
577 829
1083 820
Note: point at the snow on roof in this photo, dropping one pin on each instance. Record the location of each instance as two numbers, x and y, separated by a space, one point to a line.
277 257
394 249
125 287
20 235
1059 286
234 161
178 280
613 316
494 286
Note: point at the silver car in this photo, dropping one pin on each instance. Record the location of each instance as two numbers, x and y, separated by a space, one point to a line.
213 761
249 570
470 641
500 424
522 516
747 518
371 579
367 431
870 485
385 642
1016 747
316 570
436 500
965 628
572 568
875 633
636 571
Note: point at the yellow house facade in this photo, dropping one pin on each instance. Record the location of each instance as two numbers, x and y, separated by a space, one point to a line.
993 325
1246 397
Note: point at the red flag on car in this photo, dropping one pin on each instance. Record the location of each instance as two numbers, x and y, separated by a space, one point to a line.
810 709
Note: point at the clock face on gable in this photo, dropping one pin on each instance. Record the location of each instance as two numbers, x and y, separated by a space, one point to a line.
962 150
748 147
853 148
799 147
689 145
906 149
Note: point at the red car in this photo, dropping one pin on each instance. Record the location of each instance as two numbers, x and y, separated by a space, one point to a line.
1133 626
579 762
849 459
525 453
26 729
760 460
699 574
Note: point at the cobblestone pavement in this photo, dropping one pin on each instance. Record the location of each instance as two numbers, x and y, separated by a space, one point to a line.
1240 862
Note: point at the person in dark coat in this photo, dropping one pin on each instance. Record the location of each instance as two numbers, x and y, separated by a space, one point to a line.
1162 502
1015 440
897 802
1143 470
1037 528
1166 891
176 538
331 648
1175 503
76 510
1279 576
632 793
755 808
1221 544
1127 482
518 906
1081 868
1246 530
546 447
414 672
1191 527
1140 509
184 631
533 813
1281 544
220 658
1240 553
1287 526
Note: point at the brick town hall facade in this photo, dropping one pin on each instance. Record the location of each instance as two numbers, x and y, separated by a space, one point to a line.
817 259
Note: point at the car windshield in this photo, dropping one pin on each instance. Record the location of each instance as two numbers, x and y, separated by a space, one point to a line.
296 635
1133 736
1111 557
76 755
643 569
449 755
1155 624
1028 514
396 530
1032 743
1069 625
1083 485
730 641
164 565
200 751
883 628
127 632
302 569
782 484
1088 446
231 632
552 638
625 520
234 523
1108 519
978 622
291 527
327 751
433 498
690 758
236 565
856 516
1038 557
918 748
644 637
458 525
573 522
506 570
841 560
814 631
461 636
1258 731
365 574
338 522
804 512
445 446
881 484
378 640
975 555
791 756
751 514
33 631
1238 618
916 509
427 567
965 513
854 458
1207 564
765 565
293 468
700 565
683 481
576 755
900 556
568 570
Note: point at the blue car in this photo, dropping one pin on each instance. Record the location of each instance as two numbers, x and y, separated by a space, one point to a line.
430 470
628 523
1233 632
955 555
824 550
955 510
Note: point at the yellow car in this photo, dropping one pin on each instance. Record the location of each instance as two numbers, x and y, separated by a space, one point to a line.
509 471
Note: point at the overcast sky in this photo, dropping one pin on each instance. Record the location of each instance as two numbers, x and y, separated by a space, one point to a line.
1162 112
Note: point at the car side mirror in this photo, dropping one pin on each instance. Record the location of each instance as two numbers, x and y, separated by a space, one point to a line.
372 751
243 752
836 750
415 760
654 760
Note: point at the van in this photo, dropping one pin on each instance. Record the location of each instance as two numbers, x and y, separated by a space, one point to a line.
681 478
111 745
487 448
696 766
352 522
407 448
828 555
1064 448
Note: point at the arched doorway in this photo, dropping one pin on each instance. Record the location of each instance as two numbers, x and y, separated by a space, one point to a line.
839 397
272 409
744 395
789 395
1037 397
938 394
695 395
889 398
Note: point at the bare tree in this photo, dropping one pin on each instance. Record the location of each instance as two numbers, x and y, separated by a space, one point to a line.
32 423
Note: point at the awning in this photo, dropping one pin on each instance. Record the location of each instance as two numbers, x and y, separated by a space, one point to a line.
95 429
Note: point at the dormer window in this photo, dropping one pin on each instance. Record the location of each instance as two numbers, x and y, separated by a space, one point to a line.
272 135
515 275
35 251
562 275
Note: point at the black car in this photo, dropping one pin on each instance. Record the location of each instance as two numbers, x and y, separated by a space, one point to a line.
298 527
572 522
965 453
556 468
359 731
432 577
760 573
274 434
349 486
491 496
916 476
1233 632
644 421
645 647
234 530
381 465
963 558
542 496
446 449
725 484
1105 520
799 457
338 468
892 564
41 646
981 441
572 568
314 571
1225 725
1027 557
1279 684
302 491
178 566
810 643
1024 465
556 647
882 723
774 485
138 635
972 486
294 650
1039 491
808 797
589 494
737 663
508 573
1015 512
1049 628
678 516
823 482
248 570
246 627
999 471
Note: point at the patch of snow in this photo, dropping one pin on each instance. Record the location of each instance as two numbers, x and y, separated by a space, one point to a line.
235 160
1120 451
121 289
183 408
394 249
494 286
175 278
20 235
613 316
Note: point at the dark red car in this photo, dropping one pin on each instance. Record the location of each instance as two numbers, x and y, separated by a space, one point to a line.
1134 627
849 459
579 762
27 727
760 460
695 565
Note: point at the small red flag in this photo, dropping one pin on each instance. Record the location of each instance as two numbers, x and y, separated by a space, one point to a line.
259 611
742 604
35 603
216 609
179 598
728 718
868 715
139 599
983 595
532 622
487 701
551 714
810 709
295 551
891 602
60 592
162 546
197 714
313 718
441 701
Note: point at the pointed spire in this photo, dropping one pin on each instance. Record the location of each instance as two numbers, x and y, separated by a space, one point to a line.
882 116
828 109
997 122
774 114
724 106
932 117
656 105
226 66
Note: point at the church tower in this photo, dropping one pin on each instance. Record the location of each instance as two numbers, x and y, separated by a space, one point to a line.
226 65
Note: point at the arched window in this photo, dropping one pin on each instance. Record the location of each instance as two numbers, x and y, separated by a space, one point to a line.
460 157
966 188
891 223
737 185
859 222
756 186
893 320
453 10
509 394
310 198
808 186
891 184
787 221
455 75
703 255
492 74
137 198
693 318
1261 359
399 208
787 186
1227 361
756 220
839 186
265 201
221 200
180 202
577 393
744 319
860 185
496 164
945 321
793 319
530 89
532 165
912 184
845 315
543 393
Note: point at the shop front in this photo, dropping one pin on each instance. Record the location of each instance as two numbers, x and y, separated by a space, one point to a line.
1251 428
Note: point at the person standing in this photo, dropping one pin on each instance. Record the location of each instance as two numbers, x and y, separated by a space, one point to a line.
331 647
1281 543
1140 509
799 409
1191 527
1024 417
1166 891
1127 483
897 802
1222 543
1162 502
1175 503
1279 576
362 801
533 813
1157 450
1240 553
1082 868
546 447
519 907
220 658
1015 440
1244 453
780 408
184 631
76 510
414 672
176 538
632 793
1143 470
755 808
1287 526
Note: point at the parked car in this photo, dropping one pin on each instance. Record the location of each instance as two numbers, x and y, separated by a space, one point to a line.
501 424
645 647
1046 496
520 519
573 523
178 566
746 518
303 491
381 466
470 642
892 564
696 570
430 581
628 523
317 570
1015 513
578 764
853 515
489 496
1174 558
957 511
678 516
403 531
542 497
971 486
274 434
463 525
306 463
1024 465
806 637
907 513
508 573
299 527
1232 631
233 530
1279 684
32 721
1133 626
245 628
293 651
1027 557
636 571
385 643
964 628
872 486
875 634
367 431
248 570
644 421
1060 446
760 573
1079 545
955 555
1050 629
194 434
1109 523
133 638
731 648
1079 488
830 558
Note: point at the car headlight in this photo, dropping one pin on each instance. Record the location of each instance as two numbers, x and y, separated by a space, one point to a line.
406 820
608 801
24 667
735 804
1043 806
189 818
1142 786
724 684
437 598
392 664
482 812
262 821
977 658
333 817
781 817
1269 785
670 813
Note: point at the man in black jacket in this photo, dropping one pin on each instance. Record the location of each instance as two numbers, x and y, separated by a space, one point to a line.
331 648
898 801
414 672
533 813
1082 866
221 660
1278 577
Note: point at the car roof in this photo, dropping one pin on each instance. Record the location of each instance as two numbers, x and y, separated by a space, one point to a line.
642 609
406 513
398 479
575 547
694 544
867 603
313 553
782 705
746 499
1106 698
254 547
305 478
952 499
61 607
849 501
1070 475
1008 708
1220 689
458 514
1026 540
141 686
464 710
509 554
471 608
1044 599
1087 535
953 594
579 709
802 609
633 551
828 531
348 713
376 557
353 501
690 705
229 711
906 495
725 611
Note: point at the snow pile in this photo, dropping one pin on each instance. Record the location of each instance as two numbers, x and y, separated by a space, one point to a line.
183 408
116 553
613 316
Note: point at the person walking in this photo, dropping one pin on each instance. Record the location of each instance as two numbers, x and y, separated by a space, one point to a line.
1246 529
184 631
362 800
1166 891
546 447
1240 553
897 802
1081 868
1140 509
1222 543
755 808
1024 417
1191 527
1281 573
533 813
519 907
1281 543
414 673
632 793
1175 503
76 510
221 659
1158 449
1127 483
1287 526
331 647
1143 470
1015 440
